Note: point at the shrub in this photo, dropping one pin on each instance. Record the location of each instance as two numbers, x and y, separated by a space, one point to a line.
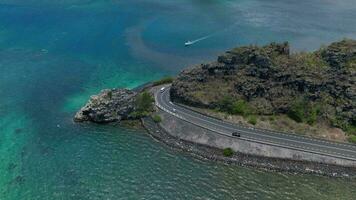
228 152
351 129
252 120
339 122
229 105
303 111
352 138
240 107
144 102
313 115
157 118
225 104
164 80
137 114
296 112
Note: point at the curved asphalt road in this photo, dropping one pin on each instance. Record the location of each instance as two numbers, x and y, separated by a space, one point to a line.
290 141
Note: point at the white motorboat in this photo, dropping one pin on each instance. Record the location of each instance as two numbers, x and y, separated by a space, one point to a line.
188 43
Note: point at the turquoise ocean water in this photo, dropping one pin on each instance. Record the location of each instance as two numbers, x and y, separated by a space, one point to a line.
55 54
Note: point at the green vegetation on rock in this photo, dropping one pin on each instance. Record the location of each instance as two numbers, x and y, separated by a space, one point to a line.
235 107
309 61
228 152
303 111
165 80
143 104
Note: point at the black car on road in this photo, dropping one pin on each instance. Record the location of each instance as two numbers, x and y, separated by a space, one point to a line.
236 134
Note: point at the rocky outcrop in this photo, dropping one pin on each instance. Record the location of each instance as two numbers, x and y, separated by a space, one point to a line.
109 105
271 79
340 54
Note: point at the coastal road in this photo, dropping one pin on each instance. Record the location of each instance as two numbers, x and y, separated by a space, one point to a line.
291 141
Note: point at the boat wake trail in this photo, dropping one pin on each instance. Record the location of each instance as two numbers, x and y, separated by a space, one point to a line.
190 42
198 40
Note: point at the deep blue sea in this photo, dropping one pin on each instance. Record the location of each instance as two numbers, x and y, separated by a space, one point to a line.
54 54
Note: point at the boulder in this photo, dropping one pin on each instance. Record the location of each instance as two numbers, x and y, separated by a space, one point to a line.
109 105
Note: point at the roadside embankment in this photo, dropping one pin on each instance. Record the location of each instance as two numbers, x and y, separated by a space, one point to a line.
202 144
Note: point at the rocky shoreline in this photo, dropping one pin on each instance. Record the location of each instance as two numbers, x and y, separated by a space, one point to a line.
273 69
102 105
263 163
111 105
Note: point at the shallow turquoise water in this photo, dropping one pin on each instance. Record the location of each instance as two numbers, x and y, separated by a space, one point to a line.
55 54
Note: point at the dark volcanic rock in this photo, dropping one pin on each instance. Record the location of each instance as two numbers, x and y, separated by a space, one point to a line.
108 106
340 53
271 79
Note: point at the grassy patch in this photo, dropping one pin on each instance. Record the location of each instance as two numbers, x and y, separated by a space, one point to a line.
228 152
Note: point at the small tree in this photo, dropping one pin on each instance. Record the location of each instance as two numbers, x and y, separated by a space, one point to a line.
143 105
296 111
144 102
313 115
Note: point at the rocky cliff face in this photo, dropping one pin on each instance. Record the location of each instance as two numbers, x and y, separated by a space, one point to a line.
271 79
108 106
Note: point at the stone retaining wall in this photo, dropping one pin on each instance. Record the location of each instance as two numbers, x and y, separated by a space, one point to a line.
190 132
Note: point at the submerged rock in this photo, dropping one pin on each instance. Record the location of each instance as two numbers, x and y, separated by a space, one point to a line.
109 105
